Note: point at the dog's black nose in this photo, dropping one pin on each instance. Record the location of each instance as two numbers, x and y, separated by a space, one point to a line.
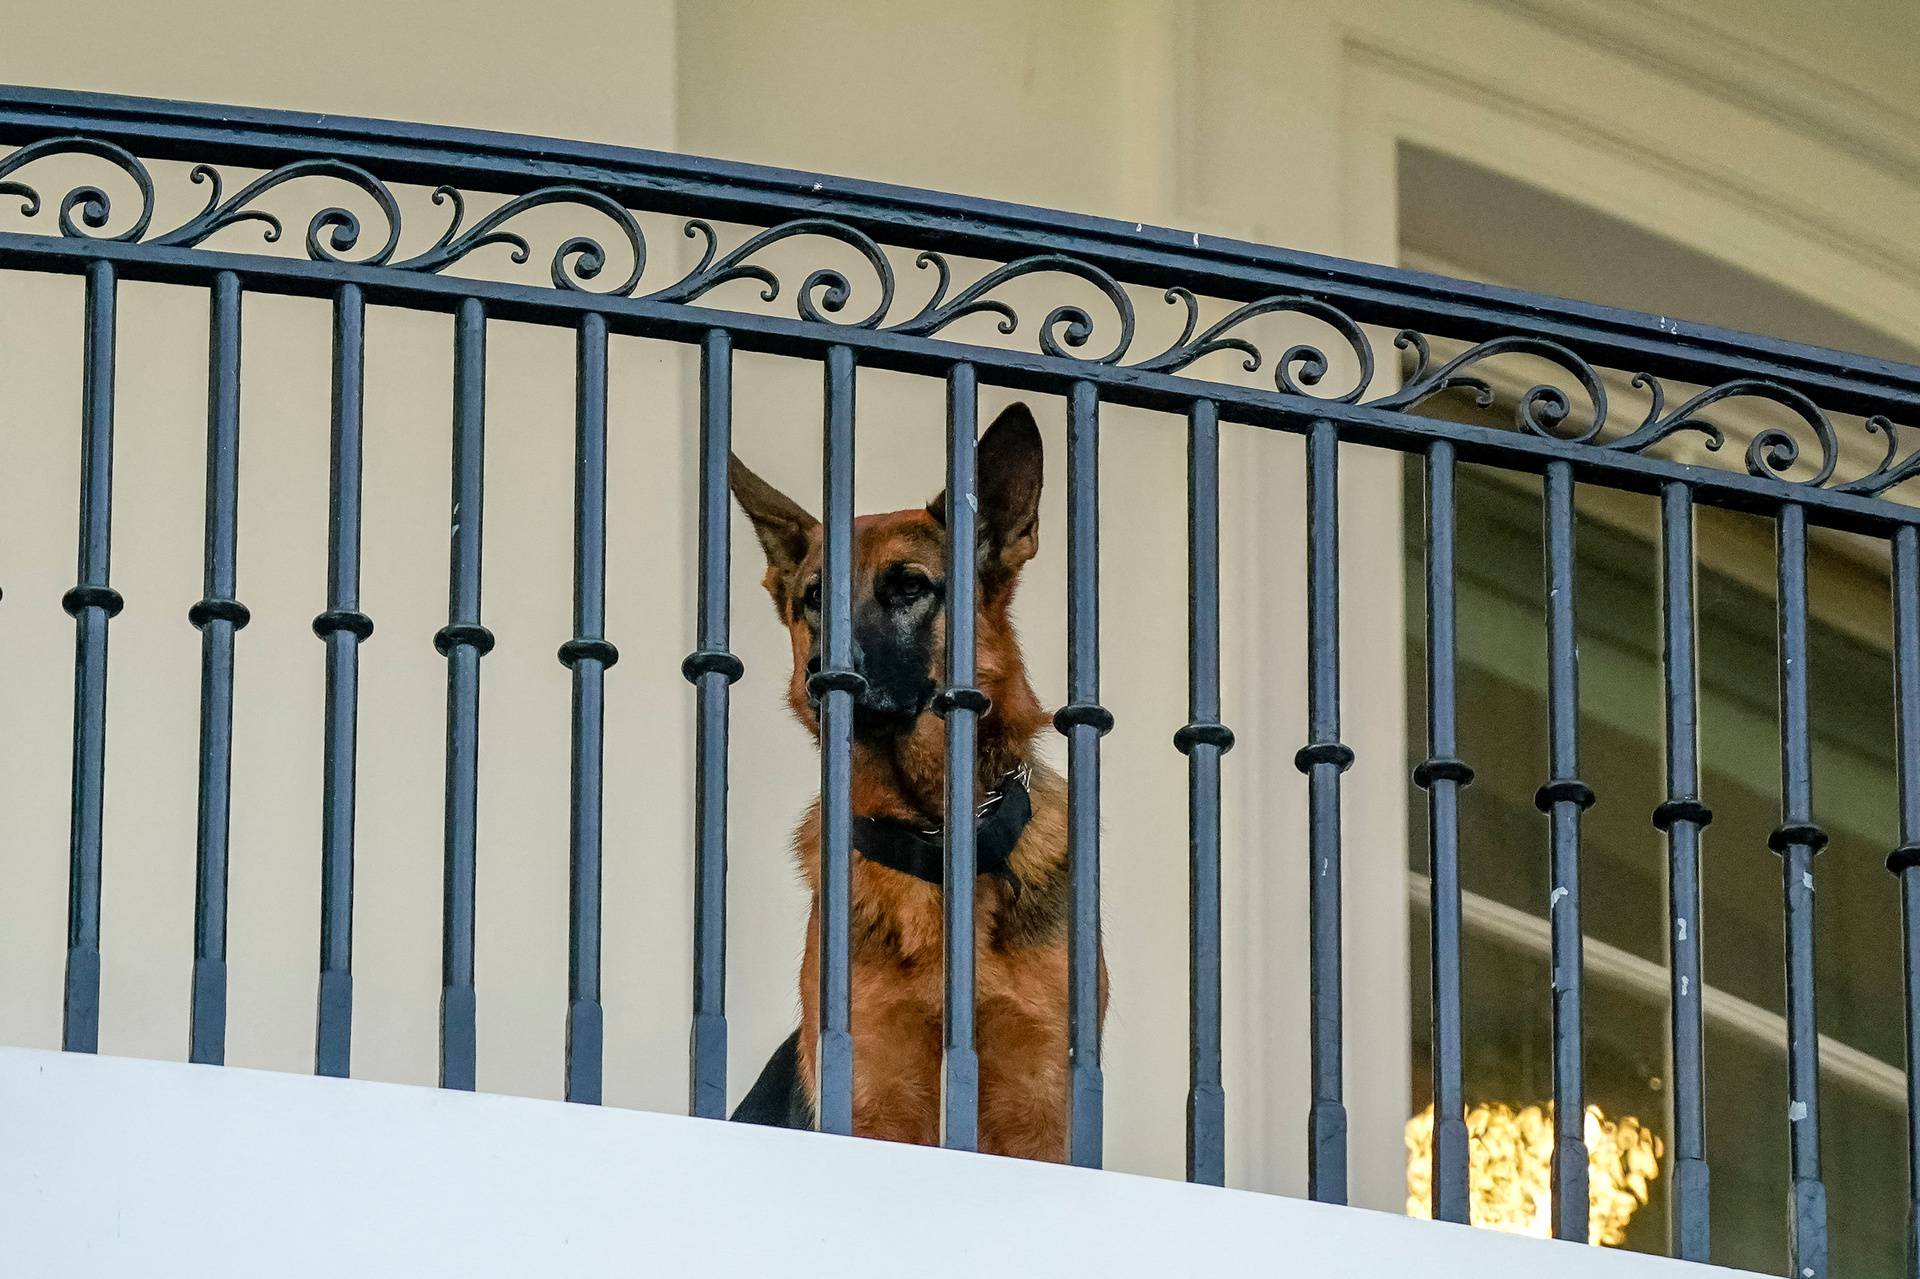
859 662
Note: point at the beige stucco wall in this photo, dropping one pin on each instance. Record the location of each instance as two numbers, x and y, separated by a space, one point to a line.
1273 121
458 64
778 85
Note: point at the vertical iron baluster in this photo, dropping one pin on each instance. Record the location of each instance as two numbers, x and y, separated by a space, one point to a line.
588 655
1683 816
91 604
962 704
1798 840
1323 759
218 615
1203 740
1084 721
463 641
712 669
836 686
1563 799
341 627
1441 775
1904 861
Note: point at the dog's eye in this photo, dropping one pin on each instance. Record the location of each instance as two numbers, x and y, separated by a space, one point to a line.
810 600
906 586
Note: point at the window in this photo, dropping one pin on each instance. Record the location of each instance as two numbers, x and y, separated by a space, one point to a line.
1468 222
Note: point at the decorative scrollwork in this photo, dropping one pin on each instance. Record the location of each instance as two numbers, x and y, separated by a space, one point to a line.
94 205
1659 425
1541 410
579 258
1065 330
332 232
1310 362
831 287
1890 471
940 312
1771 452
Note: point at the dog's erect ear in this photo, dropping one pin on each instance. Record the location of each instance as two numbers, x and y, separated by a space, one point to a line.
1008 466
1009 472
783 527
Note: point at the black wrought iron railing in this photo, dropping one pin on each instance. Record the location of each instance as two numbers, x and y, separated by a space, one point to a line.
1565 430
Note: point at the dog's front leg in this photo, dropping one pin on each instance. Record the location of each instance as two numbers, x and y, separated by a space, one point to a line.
1023 1081
896 1047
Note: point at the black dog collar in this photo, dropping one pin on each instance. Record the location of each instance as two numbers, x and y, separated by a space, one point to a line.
911 850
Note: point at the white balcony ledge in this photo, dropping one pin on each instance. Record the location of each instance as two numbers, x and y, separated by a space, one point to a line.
116 1166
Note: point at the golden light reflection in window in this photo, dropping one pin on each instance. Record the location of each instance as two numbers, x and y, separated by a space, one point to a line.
1510 1158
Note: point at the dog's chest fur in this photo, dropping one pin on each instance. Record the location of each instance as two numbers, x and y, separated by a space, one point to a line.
898 995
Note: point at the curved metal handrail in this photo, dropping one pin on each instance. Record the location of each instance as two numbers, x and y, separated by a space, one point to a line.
1105 260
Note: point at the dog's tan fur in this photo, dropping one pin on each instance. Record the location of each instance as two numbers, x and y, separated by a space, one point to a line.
897 948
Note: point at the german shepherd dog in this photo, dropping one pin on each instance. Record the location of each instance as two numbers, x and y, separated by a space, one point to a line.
899 776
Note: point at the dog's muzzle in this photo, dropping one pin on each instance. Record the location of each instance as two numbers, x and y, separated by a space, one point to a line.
886 699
